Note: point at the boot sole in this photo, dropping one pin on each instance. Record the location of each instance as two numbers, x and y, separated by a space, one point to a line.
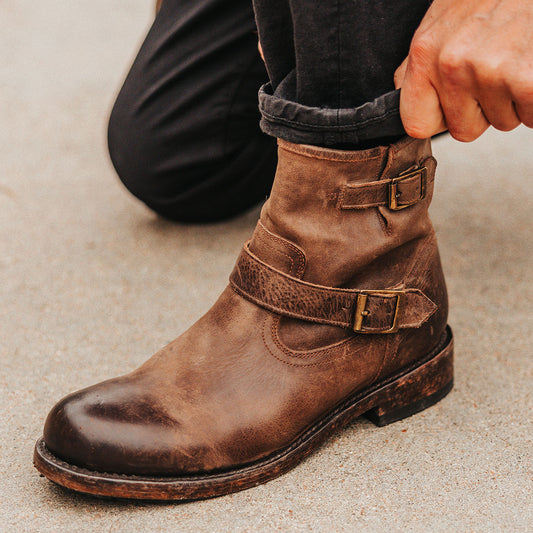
400 396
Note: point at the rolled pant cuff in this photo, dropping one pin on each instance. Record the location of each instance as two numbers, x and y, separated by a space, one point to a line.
302 124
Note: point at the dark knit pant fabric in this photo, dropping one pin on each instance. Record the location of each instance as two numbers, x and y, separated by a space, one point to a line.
184 132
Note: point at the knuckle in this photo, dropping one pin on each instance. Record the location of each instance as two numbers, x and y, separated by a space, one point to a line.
452 64
490 72
421 50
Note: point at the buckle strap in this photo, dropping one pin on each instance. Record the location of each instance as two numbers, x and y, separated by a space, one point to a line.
397 193
362 311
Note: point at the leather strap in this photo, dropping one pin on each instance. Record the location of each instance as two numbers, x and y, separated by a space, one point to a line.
362 311
398 193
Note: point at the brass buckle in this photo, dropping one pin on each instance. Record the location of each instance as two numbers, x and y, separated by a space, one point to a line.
360 311
394 205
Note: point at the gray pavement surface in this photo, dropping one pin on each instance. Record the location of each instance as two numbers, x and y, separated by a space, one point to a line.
92 283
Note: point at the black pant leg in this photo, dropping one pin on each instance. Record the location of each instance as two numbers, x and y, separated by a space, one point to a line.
183 134
336 57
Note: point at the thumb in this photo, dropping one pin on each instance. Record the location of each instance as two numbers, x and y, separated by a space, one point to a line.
420 108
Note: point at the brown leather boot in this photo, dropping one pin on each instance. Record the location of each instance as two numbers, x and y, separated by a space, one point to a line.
336 308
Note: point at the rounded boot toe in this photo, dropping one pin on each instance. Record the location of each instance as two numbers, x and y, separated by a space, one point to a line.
106 428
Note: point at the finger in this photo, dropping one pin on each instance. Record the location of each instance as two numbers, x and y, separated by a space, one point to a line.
459 94
399 75
522 95
420 109
525 113
498 108
463 115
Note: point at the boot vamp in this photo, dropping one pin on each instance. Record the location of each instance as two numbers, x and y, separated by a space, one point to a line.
225 393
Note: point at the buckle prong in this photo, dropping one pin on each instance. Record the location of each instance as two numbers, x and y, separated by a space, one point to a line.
394 204
361 311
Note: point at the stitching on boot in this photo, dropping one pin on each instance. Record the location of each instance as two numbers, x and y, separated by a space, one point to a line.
286 351
303 354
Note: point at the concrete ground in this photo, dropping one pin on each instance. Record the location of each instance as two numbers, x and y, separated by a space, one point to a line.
91 283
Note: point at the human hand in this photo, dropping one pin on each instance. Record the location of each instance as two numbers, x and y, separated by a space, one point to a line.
470 66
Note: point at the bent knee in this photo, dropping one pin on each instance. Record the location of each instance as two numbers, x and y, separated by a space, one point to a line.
221 189
177 186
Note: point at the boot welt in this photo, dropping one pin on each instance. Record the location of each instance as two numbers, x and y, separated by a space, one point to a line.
398 397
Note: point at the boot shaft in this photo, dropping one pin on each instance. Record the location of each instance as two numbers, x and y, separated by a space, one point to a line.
335 206
355 220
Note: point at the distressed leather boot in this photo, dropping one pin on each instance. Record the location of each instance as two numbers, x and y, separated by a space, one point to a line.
336 308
